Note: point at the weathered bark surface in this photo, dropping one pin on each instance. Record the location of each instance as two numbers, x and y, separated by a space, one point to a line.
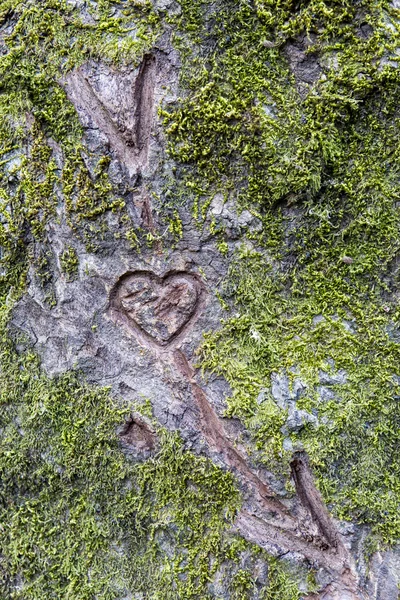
133 321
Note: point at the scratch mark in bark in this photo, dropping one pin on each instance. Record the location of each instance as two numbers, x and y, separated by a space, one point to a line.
144 100
312 499
213 431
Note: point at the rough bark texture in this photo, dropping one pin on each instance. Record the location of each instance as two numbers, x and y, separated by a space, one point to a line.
130 292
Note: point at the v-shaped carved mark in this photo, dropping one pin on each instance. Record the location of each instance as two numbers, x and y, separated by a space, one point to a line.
129 141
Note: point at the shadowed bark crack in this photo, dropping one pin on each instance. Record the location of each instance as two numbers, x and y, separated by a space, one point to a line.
312 499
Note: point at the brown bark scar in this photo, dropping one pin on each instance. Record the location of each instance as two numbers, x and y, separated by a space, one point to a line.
129 141
312 499
278 529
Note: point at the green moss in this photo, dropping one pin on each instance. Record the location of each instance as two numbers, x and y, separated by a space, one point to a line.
242 126
223 247
78 518
70 262
132 238
281 585
175 225
317 289
242 585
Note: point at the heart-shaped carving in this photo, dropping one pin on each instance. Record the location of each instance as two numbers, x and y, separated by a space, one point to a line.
158 308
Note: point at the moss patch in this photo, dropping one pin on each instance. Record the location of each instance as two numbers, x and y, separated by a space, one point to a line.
70 262
317 290
78 519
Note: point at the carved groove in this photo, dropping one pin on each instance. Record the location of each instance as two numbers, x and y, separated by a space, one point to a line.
213 431
158 310
312 499
128 140
137 436
173 302
144 100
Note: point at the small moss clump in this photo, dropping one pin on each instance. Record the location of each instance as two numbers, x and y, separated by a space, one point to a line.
69 262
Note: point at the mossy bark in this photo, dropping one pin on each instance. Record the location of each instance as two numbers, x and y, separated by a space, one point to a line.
200 232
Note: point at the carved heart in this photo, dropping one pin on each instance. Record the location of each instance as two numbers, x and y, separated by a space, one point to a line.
158 307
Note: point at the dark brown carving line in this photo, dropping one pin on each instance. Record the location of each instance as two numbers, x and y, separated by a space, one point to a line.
158 310
172 304
144 101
